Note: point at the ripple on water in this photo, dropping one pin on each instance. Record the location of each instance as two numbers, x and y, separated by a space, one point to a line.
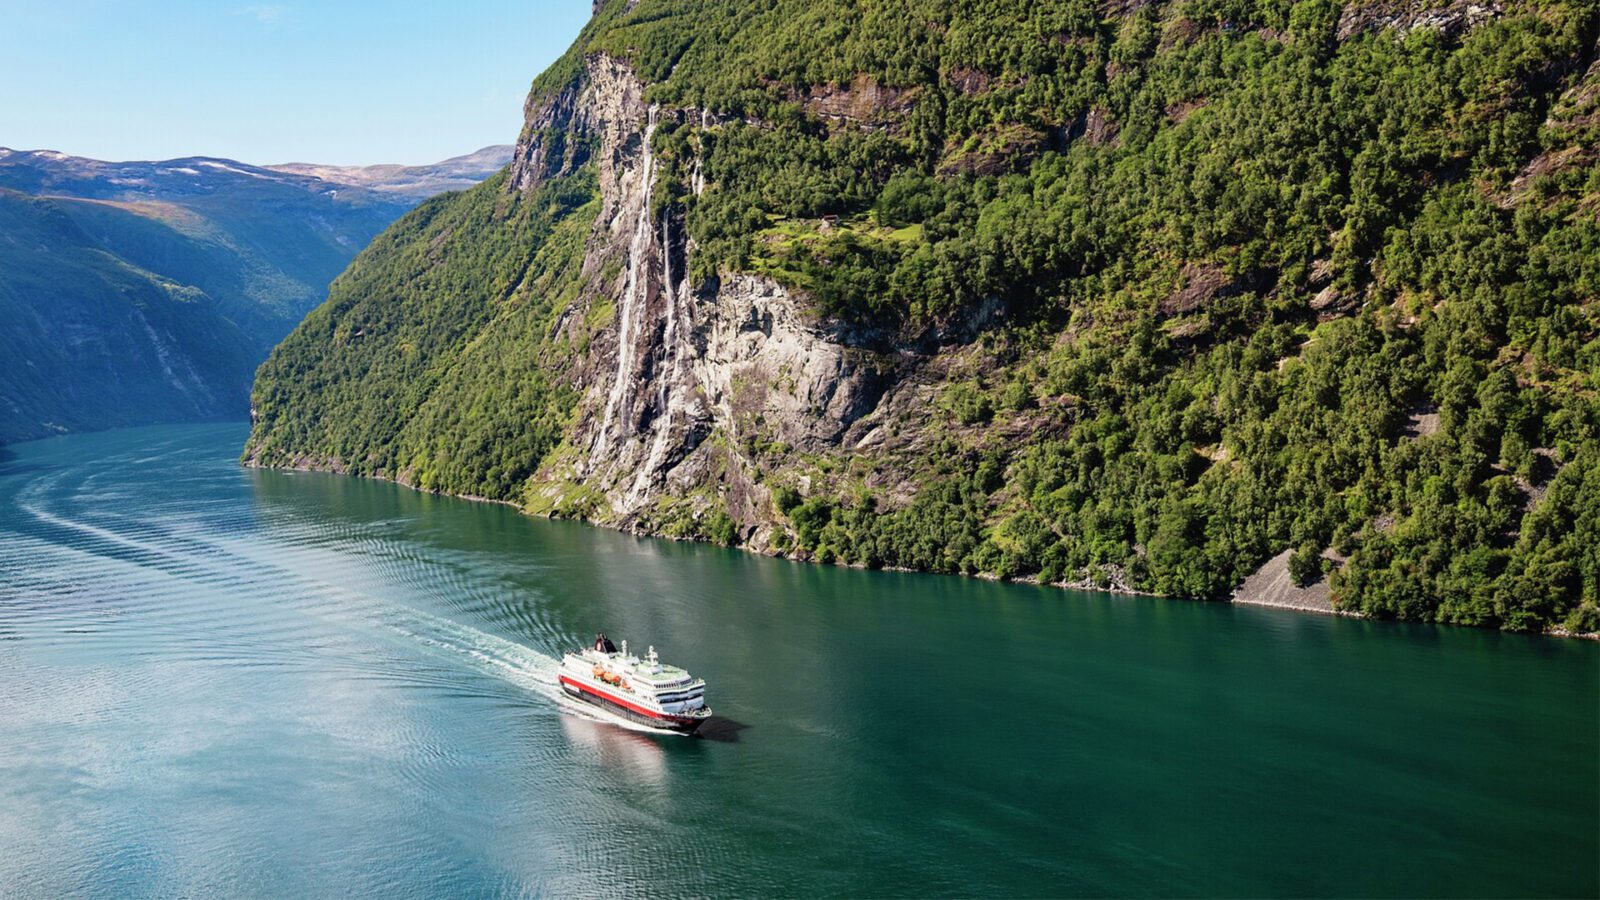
223 682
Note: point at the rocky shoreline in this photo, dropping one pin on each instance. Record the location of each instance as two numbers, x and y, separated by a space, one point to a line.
1269 587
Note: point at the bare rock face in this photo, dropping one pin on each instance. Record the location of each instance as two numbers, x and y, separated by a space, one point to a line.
862 103
541 151
1271 586
1573 121
602 106
764 364
969 81
1201 284
1453 18
678 364
1097 127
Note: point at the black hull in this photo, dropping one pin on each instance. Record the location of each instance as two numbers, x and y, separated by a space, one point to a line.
681 726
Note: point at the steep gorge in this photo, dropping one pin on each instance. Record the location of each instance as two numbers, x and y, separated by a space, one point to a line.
134 293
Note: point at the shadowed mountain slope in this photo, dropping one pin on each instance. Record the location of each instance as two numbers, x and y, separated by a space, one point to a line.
146 292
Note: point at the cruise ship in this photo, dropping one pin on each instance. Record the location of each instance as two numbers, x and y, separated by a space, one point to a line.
644 691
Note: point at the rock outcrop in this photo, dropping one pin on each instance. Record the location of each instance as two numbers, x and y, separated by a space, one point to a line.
739 358
1452 18
1271 585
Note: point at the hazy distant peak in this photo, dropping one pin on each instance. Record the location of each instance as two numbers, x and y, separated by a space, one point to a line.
54 172
455 173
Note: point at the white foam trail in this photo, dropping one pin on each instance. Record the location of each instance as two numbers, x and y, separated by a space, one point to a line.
236 563
520 665
489 654
526 668
102 533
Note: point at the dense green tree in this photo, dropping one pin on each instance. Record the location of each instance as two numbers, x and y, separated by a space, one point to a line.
1223 277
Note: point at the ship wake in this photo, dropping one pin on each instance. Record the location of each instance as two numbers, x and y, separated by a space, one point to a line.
246 570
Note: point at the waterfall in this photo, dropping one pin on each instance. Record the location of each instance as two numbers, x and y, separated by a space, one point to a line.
671 368
669 394
697 182
634 296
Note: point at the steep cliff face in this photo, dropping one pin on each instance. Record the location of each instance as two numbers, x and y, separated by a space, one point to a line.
1140 301
737 358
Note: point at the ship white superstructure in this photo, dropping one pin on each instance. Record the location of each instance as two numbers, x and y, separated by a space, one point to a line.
642 690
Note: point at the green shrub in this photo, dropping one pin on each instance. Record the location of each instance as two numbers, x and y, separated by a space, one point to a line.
785 498
719 528
968 404
1305 565
1017 396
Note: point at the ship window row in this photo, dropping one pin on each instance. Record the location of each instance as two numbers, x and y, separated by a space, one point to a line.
674 698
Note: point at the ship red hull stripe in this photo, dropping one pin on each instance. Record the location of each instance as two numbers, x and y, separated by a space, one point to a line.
611 698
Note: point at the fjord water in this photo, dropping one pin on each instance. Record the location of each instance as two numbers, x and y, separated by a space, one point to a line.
217 681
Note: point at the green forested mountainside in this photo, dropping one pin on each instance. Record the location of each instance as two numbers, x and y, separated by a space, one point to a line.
429 346
263 299
90 340
262 244
1269 275
231 255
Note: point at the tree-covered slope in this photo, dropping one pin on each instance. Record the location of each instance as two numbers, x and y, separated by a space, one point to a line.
262 243
429 347
243 251
89 340
1137 294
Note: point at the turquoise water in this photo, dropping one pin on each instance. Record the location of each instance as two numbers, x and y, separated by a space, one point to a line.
216 681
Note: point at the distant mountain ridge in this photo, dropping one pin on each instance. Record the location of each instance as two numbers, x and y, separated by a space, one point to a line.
216 224
148 291
417 182
51 171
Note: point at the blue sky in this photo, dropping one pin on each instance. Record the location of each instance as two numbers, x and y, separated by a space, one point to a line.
342 82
